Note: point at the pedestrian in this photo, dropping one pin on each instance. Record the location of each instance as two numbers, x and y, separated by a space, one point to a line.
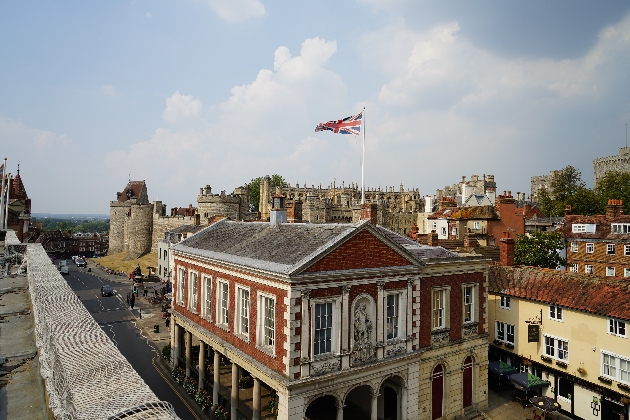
132 301
140 312
127 298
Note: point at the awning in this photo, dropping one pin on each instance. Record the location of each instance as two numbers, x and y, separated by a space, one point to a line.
527 381
501 368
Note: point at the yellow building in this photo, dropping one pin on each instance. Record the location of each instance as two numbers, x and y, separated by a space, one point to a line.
569 329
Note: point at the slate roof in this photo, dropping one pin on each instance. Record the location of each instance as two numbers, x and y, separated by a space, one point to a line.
136 188
186 229
416 249
606 296
289 247
602 231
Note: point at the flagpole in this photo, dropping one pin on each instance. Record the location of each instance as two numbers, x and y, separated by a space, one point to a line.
363 162
4 171
6 205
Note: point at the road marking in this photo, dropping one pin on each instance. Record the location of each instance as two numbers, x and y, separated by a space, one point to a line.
172 387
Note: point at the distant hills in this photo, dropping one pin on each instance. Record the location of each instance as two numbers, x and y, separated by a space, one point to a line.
70 216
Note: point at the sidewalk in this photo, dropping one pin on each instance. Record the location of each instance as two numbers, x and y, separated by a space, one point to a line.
501 407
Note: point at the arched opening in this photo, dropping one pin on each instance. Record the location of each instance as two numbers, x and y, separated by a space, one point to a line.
323 408
437 392
391 399
467 382
390 403
358 404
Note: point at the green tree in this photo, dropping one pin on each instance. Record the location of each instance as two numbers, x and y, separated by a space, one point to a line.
254 189
615 185
539 249
567 188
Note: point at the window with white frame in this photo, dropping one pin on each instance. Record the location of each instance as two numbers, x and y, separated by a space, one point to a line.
266 321
610 249
616 367
574 247
505 302
476 224
392 320
206 305
242 321
573 268
469 303
443 231
626 250
223 301
323 328
505 332
588 269
181 285
590 248
454 231
617 327
610 271
434 224
626 272
438 305
620 228
583 228
192 290
555 312
557 348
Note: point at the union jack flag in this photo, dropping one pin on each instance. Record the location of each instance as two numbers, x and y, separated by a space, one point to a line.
349 125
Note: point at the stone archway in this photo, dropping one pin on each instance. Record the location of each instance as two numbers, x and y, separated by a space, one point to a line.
322 408
392 398
467 382
437 392
358 403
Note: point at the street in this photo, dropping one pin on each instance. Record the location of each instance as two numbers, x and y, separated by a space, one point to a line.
118 322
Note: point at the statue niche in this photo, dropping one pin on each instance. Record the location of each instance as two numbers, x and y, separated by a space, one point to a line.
363 345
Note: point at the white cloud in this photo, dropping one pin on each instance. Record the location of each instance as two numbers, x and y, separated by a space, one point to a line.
234 11
108 90
180 107
148 15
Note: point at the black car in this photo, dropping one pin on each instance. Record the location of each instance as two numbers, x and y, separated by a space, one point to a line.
107 291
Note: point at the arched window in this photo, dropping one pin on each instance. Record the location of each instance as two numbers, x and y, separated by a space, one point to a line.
467 382
437 392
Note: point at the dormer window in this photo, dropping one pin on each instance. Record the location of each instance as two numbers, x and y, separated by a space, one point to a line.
583 228
620 228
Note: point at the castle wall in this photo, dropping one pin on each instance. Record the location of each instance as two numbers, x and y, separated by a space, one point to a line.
140 230
619 163
117 221
162 224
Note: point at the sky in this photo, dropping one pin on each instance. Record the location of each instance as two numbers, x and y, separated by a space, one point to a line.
193 92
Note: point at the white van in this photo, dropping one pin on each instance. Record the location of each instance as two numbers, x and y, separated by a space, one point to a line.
64 269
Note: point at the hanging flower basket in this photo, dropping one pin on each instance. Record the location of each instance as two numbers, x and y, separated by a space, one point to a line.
191 386
203 399
220 413
179 375
581 370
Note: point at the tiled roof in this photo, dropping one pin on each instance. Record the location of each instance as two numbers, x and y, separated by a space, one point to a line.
458 213
136 188
606 296
602 230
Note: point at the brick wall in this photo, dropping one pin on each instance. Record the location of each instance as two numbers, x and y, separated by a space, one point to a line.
354 252
455 282
599 259
276 363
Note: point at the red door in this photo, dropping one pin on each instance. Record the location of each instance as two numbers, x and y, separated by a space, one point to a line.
468 381
437 392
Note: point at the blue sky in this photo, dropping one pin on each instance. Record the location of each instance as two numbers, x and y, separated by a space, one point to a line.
187 93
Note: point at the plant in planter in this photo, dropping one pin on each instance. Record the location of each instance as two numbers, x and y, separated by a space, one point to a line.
245 382
272 405
220 413
509 345
166 352
203 399
497 342
561 364
179 374
527 362
191 386
625 400
581 370
624 386
545 358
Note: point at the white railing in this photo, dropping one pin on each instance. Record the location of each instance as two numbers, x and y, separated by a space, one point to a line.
86 376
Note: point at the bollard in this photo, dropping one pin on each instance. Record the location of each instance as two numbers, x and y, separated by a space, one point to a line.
156 328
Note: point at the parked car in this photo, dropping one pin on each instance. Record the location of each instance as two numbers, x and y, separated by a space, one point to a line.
81 263
107 291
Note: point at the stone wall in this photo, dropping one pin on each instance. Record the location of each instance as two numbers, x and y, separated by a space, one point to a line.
162 224
140 230
619 163
540 182
117 220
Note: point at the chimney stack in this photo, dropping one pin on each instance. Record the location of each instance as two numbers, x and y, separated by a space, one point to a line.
614 209
432 239
278 213
369 212
470 240
567 210
506 250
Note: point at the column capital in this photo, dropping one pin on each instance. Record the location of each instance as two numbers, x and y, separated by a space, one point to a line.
380 285
410 282
374 395
345 289
306 294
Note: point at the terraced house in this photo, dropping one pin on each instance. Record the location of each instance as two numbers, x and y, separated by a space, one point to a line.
600 244
569 329
338 320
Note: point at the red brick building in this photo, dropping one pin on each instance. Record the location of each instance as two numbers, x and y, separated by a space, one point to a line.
333 317
599 244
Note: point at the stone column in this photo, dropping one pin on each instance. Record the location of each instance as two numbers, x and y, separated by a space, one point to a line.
345 326
202 363
409 308
217 377
305 338
234 394
380 319
188 339
374 411
340 411
177 353
256 400
403 403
